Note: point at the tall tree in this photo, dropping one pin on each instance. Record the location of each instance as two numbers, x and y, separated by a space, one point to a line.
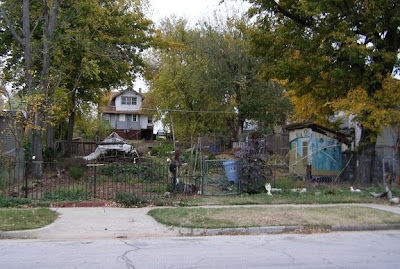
208 70
329 52
22 34
75 51
178 83
237 75
99 48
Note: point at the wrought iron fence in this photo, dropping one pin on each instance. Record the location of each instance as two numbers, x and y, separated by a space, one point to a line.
86 181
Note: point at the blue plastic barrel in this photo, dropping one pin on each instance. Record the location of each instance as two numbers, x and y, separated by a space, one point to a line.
231 170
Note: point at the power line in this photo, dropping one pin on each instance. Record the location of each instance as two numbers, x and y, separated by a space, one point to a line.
189 111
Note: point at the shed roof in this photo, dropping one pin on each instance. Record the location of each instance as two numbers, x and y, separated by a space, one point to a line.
340 136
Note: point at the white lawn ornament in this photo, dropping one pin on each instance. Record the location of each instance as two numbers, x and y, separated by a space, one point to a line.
299 190
395 201
268 188
354 190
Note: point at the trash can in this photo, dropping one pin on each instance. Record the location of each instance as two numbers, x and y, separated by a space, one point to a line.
231 170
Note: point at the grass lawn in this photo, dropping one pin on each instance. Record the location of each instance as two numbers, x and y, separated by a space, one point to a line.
326 196
272 216
12 219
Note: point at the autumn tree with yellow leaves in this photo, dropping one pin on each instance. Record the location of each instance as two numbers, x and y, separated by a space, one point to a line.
334 56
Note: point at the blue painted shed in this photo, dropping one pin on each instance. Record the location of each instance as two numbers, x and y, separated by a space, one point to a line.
318 146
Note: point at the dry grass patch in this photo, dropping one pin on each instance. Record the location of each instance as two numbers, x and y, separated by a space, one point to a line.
272 216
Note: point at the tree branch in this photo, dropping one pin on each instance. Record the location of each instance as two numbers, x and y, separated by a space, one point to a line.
291 15
10 27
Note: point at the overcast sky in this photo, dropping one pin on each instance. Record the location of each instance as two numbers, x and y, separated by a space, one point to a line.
192 10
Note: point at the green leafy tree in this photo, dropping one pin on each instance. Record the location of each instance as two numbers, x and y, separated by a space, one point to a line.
331 53
325 50
33 45
92 128
178 83
75 52
100 48
208 69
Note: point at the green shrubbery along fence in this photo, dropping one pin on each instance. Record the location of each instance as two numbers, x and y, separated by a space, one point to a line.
77 181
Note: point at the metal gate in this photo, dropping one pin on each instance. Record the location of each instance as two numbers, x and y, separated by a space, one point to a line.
221 177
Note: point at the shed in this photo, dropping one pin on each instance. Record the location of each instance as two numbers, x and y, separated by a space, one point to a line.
317 146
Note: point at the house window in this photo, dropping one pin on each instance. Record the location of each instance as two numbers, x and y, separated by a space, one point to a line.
149 121
305 149
106 118
133 117
128 100
121 117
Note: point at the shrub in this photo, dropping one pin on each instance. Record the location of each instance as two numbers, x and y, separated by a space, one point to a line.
164 149
13 201
332 191
49 154
116 169
75 172
286 183
255 172
129 199
78 194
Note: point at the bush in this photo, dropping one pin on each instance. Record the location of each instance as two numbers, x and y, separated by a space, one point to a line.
67 195
49 155
332 191
129 199
286 183
14 201
255 173
162 150
116 169
75 172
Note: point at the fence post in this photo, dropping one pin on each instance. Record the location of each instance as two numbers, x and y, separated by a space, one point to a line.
26 181
94 184
94 165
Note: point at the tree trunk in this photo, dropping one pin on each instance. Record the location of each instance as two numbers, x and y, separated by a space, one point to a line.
37 148
365 170
50 18
26 32
71 123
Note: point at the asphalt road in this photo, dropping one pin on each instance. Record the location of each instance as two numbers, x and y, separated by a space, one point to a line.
378 249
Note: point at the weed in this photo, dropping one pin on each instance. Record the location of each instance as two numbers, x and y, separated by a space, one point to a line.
129 199
332 191
13 201
75 172
116 169
67 195
164 149
285 183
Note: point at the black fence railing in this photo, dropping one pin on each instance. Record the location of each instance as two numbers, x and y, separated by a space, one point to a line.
102 181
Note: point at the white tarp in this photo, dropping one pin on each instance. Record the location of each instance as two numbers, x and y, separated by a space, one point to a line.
112 142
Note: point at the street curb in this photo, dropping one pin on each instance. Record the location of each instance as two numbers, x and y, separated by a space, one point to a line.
282 229
370 227
236 231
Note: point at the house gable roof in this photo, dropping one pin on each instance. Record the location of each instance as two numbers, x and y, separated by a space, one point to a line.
110 107
341 137
114 95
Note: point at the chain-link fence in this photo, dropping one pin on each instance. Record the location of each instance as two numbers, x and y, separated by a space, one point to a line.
221 177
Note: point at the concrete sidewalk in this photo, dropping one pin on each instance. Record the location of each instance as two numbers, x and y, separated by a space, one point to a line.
107 222
97 222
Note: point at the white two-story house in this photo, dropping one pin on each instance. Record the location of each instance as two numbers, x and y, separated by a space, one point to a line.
124 114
